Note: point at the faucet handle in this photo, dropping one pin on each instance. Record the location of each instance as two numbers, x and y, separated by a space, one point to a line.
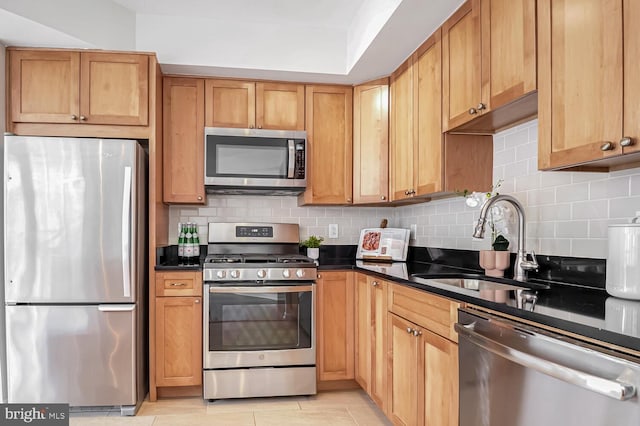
530 265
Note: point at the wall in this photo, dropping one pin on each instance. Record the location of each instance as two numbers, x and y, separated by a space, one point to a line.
567 213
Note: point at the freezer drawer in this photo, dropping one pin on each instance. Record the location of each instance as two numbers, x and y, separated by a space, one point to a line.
81 355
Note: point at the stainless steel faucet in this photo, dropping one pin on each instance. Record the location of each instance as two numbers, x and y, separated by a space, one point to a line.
522 264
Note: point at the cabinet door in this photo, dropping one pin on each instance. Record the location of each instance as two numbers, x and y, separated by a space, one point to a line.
371 142
580 79
114 88
402 156
183 134
329 113
378 380
280 106
230 103
363 341
178 341
44 86
508 50
427 70
440 366
462 79
335 326
631 108
404 382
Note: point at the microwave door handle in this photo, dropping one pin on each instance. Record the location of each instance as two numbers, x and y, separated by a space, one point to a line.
292 158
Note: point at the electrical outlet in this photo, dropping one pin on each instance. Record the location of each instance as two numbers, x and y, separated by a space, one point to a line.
414 231
333 230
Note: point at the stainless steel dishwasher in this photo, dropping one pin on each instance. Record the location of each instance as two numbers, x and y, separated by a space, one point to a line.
512 374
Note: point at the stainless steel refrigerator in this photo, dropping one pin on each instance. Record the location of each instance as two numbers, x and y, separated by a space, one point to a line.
74 271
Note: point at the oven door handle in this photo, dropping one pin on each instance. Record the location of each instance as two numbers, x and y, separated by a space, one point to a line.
262 289
611 388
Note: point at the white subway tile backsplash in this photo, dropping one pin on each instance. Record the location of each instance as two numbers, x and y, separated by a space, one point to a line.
624 207
567 212
575 192
572 229
590 209
609 188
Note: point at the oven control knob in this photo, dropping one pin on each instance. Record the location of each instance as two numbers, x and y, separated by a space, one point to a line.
286 273
262 273
235 273
221 274
300 273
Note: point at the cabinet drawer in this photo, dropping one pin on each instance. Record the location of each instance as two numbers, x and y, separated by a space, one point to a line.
179 283
436 313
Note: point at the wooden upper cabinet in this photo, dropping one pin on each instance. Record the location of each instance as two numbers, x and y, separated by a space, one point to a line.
489 61
280 106
508 50
371 142
45 86
183 135
329 112
631 37
583 85
427 77
401 151
462 77
79 87
230 103
249 105
114 88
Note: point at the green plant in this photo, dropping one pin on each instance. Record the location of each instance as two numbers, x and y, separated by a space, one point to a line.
312 242
500 243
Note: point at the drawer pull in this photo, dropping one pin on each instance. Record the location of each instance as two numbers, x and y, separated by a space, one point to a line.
177 284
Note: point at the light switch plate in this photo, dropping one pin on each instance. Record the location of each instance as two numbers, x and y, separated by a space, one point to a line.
333 230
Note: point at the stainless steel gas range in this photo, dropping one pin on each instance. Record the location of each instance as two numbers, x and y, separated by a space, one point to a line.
259 317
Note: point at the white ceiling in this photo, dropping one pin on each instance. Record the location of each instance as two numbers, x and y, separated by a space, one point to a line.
333 41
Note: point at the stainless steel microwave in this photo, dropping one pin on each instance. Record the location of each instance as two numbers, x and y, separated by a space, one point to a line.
255 161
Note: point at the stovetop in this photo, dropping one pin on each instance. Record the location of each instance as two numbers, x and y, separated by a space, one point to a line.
256 260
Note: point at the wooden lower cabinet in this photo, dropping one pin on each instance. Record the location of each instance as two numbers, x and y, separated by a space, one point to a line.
335 326
422 382
370 347
177 320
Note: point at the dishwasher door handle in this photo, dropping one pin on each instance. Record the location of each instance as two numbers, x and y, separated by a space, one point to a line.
611 388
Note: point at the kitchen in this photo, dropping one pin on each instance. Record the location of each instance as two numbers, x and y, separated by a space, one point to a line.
567 212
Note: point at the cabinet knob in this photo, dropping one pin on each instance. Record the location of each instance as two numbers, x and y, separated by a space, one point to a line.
472 111
626 141
74 117
199 198
607 146
196 301
375 284
251 126
259 127
319 276
83 118
416 333
481 106
409 330
383 198
348 200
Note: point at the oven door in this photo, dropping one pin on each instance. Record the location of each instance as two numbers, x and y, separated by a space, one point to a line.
265 325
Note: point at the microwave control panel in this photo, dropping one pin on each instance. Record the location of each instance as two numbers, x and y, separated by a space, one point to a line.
299 169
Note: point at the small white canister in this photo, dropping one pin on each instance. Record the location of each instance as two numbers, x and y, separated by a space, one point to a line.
623 260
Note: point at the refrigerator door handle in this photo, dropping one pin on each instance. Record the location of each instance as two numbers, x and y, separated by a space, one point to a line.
126 232
116 308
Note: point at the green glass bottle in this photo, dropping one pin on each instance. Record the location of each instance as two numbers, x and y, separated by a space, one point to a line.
196 244
181 241
188 245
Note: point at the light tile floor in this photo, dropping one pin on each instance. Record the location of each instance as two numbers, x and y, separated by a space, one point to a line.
337 408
